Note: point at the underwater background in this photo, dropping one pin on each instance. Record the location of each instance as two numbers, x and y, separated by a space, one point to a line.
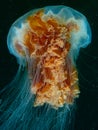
87 62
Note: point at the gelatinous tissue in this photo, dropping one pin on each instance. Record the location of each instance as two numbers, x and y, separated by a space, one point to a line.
46 43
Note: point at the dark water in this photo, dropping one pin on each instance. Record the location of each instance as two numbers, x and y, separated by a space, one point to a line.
87 63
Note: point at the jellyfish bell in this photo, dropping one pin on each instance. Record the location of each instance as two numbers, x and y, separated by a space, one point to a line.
47 41
64 15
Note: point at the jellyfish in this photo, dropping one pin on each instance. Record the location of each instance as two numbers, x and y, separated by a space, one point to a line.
46 44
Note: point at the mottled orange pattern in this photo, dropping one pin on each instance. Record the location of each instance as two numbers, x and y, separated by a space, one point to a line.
54 80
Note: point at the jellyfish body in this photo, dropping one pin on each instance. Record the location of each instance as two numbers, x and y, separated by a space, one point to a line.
46 43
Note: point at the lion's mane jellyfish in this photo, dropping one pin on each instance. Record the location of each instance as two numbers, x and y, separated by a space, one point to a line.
46 43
